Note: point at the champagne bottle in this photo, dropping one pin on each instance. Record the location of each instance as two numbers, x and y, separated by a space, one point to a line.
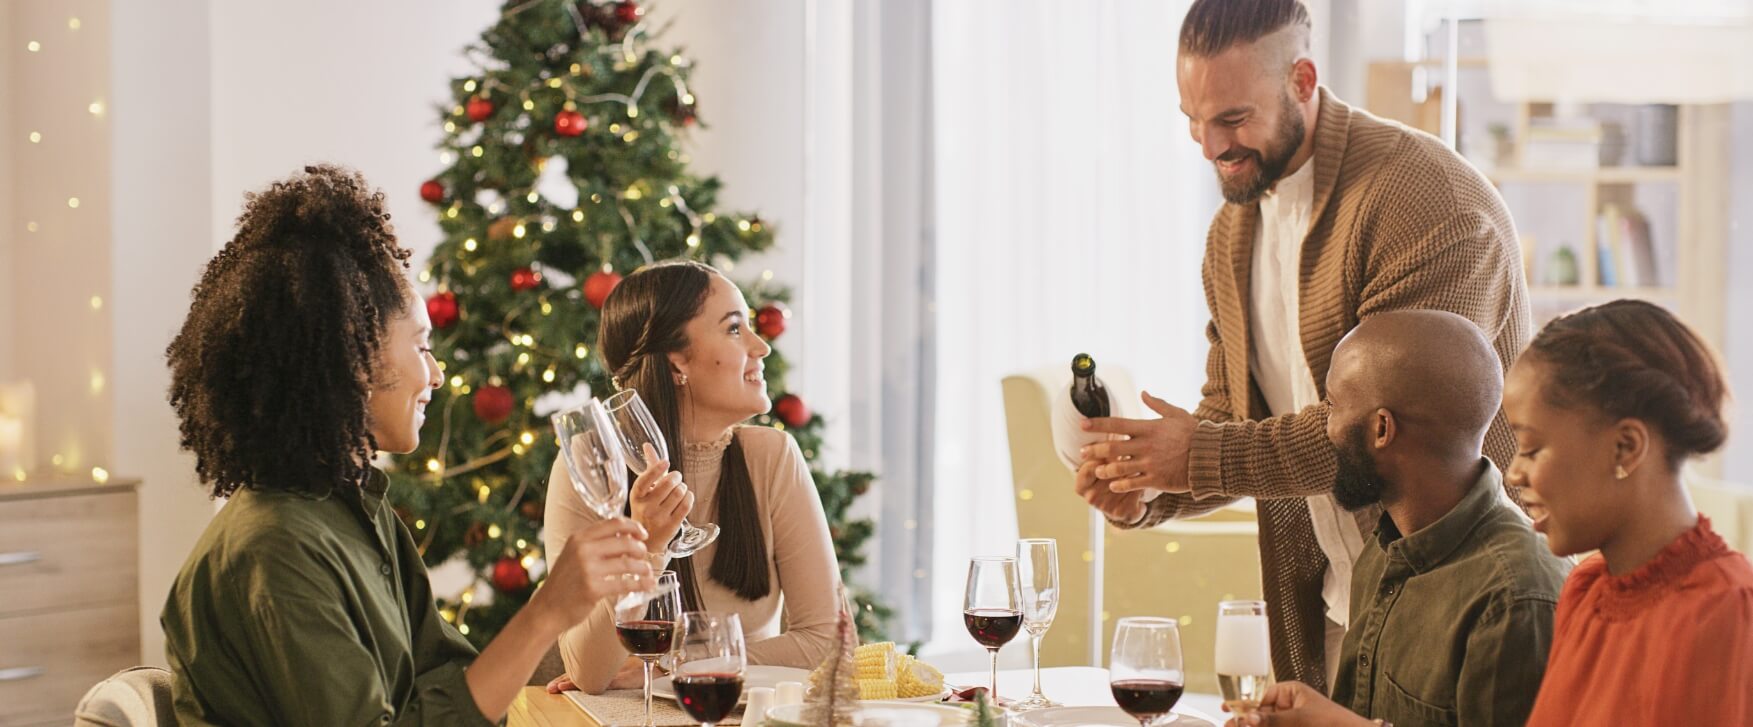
1088 395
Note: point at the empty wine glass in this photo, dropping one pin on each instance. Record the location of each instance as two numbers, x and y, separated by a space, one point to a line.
589 448
1145 672
992 607
1244 654
1038 572
709 662
636 428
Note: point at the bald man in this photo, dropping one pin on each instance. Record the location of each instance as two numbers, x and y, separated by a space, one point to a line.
1453 595
1332 215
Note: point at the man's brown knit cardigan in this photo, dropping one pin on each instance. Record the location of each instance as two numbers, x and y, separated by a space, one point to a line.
1399 222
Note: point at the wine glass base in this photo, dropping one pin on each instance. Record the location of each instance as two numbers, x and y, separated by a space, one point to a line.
689 541
1034 702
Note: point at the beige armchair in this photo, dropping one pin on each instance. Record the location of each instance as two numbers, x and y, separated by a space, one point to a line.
138 696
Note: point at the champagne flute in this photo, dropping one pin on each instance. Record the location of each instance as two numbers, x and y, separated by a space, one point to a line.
636 427
1244 656
992 607
1038 569
709 662
599 474
1145 672
647 630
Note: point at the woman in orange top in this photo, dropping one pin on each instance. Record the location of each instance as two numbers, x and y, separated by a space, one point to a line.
1607 403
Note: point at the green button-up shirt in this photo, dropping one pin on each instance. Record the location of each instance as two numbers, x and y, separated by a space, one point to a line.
300 611
1451 624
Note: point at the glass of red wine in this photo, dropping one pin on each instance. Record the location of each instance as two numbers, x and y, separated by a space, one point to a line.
1144 668
992 609
709 660
647 630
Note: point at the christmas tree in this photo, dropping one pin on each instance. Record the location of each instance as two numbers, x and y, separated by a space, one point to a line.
565 167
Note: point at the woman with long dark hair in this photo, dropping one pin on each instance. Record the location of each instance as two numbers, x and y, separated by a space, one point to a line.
679 334
305 601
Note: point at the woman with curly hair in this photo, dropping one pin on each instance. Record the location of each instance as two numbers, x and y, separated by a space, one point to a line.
678 333
305 352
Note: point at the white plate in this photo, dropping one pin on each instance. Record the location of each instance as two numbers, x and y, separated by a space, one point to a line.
885 712
1095 717
753 676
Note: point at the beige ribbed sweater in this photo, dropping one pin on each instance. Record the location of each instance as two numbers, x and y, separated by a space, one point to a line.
801 563
1400 222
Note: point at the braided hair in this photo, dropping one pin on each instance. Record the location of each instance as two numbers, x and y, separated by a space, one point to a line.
1634 359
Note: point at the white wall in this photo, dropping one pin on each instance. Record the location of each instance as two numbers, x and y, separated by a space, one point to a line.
333 80
163 238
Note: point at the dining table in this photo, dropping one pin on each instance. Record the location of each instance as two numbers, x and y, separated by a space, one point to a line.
1073 686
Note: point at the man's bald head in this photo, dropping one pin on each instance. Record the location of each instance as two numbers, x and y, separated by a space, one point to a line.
1434 370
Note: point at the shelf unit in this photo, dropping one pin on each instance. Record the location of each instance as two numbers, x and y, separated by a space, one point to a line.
1692 248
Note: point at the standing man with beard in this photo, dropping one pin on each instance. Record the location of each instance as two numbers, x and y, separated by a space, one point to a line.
1332 215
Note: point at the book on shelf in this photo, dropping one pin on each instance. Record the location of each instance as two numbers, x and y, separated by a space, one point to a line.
1626 258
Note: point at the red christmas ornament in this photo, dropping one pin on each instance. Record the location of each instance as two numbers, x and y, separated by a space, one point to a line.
442 309
628 12
570 123
525 279
770 321
479 109
598 286
532 511
492 403
432 191
509 576
792 411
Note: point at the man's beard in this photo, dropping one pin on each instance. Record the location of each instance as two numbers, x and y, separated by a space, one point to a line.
1269 167
1357 485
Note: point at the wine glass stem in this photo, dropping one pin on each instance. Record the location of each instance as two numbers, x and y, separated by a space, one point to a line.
994 694
1035 647
648 720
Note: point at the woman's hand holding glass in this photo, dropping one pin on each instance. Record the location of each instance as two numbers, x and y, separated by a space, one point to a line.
605 560
661 501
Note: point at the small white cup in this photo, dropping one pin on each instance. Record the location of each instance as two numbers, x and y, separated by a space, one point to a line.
760 700
788 693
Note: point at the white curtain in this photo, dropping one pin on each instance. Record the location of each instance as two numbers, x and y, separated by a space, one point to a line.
1071 208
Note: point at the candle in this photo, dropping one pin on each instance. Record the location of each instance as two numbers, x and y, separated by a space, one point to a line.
17 404
11 444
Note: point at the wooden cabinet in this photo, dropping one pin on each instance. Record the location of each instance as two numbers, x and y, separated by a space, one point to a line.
69 594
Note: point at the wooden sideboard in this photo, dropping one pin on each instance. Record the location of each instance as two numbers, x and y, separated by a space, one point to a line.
69 594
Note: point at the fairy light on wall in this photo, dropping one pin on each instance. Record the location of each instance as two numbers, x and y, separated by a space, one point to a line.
66 165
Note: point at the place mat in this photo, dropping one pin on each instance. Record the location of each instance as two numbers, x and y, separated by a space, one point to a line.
627 707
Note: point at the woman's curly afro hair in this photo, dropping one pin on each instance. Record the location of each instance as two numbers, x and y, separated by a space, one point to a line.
272 369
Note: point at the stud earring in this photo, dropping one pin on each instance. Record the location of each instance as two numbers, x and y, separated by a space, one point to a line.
681 379
1620 473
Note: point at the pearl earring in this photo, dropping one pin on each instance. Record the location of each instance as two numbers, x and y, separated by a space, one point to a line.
1620 473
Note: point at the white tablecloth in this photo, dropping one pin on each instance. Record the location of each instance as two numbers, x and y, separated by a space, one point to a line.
1078 686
